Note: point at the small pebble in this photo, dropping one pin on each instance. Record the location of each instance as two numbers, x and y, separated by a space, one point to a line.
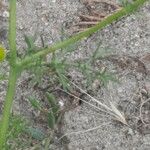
5 14
61 103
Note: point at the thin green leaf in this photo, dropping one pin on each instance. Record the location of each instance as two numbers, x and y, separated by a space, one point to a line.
106 77
51 99
29 41
51 120
2 77
63 81
35 103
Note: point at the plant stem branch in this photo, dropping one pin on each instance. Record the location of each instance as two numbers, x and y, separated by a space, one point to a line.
114 17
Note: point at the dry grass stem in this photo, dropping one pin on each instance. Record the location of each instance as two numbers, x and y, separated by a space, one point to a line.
83 131
112 109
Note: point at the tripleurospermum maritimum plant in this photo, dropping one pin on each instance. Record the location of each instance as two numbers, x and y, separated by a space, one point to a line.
18 65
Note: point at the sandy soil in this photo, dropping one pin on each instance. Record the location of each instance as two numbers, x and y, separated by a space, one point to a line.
128 41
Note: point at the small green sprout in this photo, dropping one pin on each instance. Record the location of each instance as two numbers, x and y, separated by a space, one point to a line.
2 53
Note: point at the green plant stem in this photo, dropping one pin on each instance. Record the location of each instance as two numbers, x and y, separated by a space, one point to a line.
7 105
13 73
114 17
12 32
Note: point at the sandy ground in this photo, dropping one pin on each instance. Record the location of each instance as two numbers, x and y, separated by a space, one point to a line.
129 42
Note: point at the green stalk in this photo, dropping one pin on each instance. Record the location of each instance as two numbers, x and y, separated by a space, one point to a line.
12 32
115 16
13 74
7 106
